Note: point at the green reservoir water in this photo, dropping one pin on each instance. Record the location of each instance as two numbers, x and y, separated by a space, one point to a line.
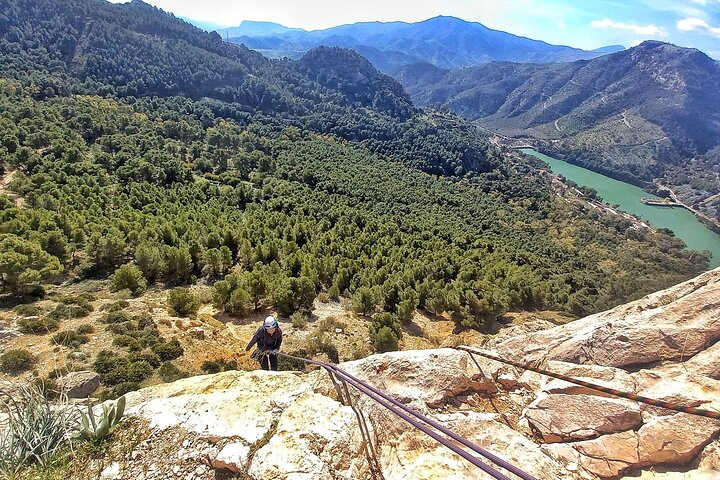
683 223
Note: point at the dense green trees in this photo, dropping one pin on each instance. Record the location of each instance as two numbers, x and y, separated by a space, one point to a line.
24 265
272 183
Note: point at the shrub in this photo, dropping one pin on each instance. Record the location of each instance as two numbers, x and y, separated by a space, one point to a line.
115 317
324 298
239 303
85 329
385 332
291 364
216 366
168 350
169 372
38 326
125 371
122 388
363 301
130 277
70 311
334 293
329 324
299 320
145 356
127 341
322 344
182 302
28 310
115 306
69 338
16 361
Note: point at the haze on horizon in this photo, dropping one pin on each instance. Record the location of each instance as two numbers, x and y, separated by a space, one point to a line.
688 23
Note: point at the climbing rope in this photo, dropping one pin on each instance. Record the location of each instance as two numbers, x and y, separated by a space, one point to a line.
611 391
407 414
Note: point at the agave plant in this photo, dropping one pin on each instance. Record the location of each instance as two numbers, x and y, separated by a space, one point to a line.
33 429
97 429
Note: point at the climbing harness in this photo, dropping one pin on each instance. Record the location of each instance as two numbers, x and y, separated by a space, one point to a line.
611 391
341 377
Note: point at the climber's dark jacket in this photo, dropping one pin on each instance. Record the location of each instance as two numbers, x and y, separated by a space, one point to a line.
265 341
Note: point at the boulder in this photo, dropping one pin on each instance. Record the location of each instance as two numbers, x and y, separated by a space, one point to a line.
425 378
705 363
234 457
604 457
560 418
674 439
667 325
316 438
79 384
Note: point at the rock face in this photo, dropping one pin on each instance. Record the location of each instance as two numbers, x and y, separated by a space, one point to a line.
560 418
422 377
79 384
291 426
678 322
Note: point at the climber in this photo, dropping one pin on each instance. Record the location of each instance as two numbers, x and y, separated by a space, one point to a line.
268 339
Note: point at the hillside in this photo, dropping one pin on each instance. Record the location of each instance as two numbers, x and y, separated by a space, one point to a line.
291 424
129 189
650 112
445 42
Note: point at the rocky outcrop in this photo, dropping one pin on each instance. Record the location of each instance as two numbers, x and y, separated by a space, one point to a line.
423 378
560 418
675 323
292 426
79 384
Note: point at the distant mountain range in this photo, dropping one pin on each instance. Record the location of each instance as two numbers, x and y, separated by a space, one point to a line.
639 114
445 42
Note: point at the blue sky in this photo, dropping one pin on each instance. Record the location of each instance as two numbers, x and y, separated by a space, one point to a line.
583 24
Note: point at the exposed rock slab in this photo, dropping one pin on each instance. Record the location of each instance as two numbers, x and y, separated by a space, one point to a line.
241 405
675 439
425 377
316 439
415 456
682 320
560 418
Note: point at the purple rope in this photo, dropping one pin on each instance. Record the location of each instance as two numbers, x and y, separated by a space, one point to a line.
388 402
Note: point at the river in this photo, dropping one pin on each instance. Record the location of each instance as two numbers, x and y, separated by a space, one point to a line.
681 221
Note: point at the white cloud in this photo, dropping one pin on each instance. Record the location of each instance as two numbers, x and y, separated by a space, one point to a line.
697 24
700 2
651 30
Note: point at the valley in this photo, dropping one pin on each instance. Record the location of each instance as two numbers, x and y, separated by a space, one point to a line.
164 189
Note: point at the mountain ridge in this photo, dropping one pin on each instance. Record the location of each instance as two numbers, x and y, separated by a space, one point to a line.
641 113
445 41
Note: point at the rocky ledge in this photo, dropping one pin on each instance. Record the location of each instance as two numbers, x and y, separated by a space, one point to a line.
286 425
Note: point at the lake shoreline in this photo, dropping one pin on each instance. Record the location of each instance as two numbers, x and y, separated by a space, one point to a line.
683 222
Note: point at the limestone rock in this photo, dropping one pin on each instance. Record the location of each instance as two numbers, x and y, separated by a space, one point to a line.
605 457
79 384
561 418
234 457
674 439
316 439
413 456
229 404
111 472
428 377
665 325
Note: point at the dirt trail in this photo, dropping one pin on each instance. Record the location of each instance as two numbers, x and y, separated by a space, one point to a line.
4 182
